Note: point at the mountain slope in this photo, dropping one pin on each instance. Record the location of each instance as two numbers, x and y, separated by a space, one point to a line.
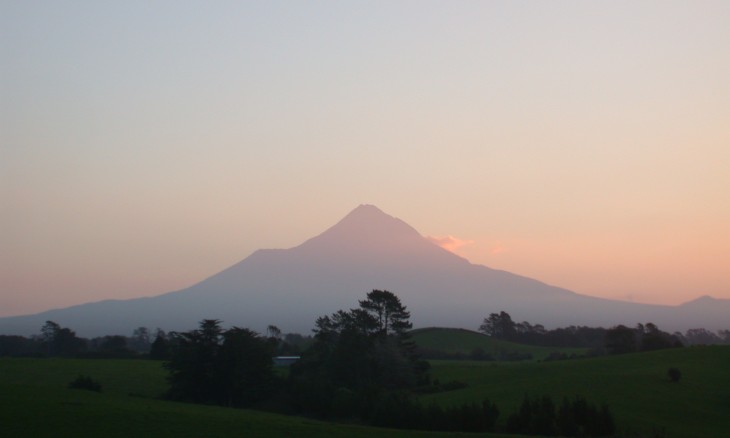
366 250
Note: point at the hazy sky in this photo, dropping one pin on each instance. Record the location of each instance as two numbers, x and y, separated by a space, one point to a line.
148 145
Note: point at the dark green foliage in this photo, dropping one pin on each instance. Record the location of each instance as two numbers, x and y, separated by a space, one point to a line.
398 410
226 367
160 347
356 357
674 374
622 339
439 387
701 336
575 417
20 346
59 341
499 325
85 382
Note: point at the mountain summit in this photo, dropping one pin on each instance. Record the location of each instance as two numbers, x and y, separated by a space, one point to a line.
368 249
366 228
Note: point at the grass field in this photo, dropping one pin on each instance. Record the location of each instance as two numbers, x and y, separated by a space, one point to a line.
635 387
454 340
35 400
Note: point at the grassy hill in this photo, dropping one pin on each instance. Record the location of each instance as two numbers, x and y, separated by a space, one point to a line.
635 386
462 341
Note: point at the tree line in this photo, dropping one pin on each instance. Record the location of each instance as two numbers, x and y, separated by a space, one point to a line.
57 341
614 340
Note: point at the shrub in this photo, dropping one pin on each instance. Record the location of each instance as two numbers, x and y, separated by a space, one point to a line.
674 374
85 382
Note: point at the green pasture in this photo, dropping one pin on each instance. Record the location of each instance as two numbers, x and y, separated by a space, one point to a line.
635 387
35 402
455 340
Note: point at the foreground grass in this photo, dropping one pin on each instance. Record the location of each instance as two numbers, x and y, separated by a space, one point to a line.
35 402
635 387
454 340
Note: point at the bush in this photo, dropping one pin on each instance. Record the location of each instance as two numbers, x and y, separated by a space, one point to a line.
85 382
674 374
577 417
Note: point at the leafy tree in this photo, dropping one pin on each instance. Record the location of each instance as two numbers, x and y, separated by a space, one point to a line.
576 417
362 350
701 336
140 340
651 338
388 314
244 370
499 325
11 345
621 339
160 349
212 365
274 332
114 343
60 341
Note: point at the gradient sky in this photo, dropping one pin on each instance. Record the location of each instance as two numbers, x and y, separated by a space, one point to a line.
148 145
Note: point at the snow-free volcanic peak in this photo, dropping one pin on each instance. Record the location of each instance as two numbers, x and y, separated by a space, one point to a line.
366 228
368 249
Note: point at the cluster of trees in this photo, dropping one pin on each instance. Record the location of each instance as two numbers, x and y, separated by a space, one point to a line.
57 341
359 366
701 336
622 339
501 326
355 355
215 366
618 339
577 417
400 411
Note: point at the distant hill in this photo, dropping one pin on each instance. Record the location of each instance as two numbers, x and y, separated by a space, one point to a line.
366 250
465 342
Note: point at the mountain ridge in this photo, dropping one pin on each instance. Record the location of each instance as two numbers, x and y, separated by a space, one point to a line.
367 249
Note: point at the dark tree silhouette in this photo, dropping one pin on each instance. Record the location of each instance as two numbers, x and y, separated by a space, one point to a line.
212 365
160 349
499 325
358 352
621 339
387 313
60 341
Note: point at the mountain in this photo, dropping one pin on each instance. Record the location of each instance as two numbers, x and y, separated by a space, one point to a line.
366 250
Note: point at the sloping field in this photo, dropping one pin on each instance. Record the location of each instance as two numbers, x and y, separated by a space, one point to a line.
455 340
635 387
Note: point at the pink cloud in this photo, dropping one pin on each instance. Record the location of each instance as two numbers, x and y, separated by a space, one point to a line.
497 248
449 243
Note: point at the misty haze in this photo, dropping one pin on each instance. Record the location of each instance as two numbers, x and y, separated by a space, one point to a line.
391 218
